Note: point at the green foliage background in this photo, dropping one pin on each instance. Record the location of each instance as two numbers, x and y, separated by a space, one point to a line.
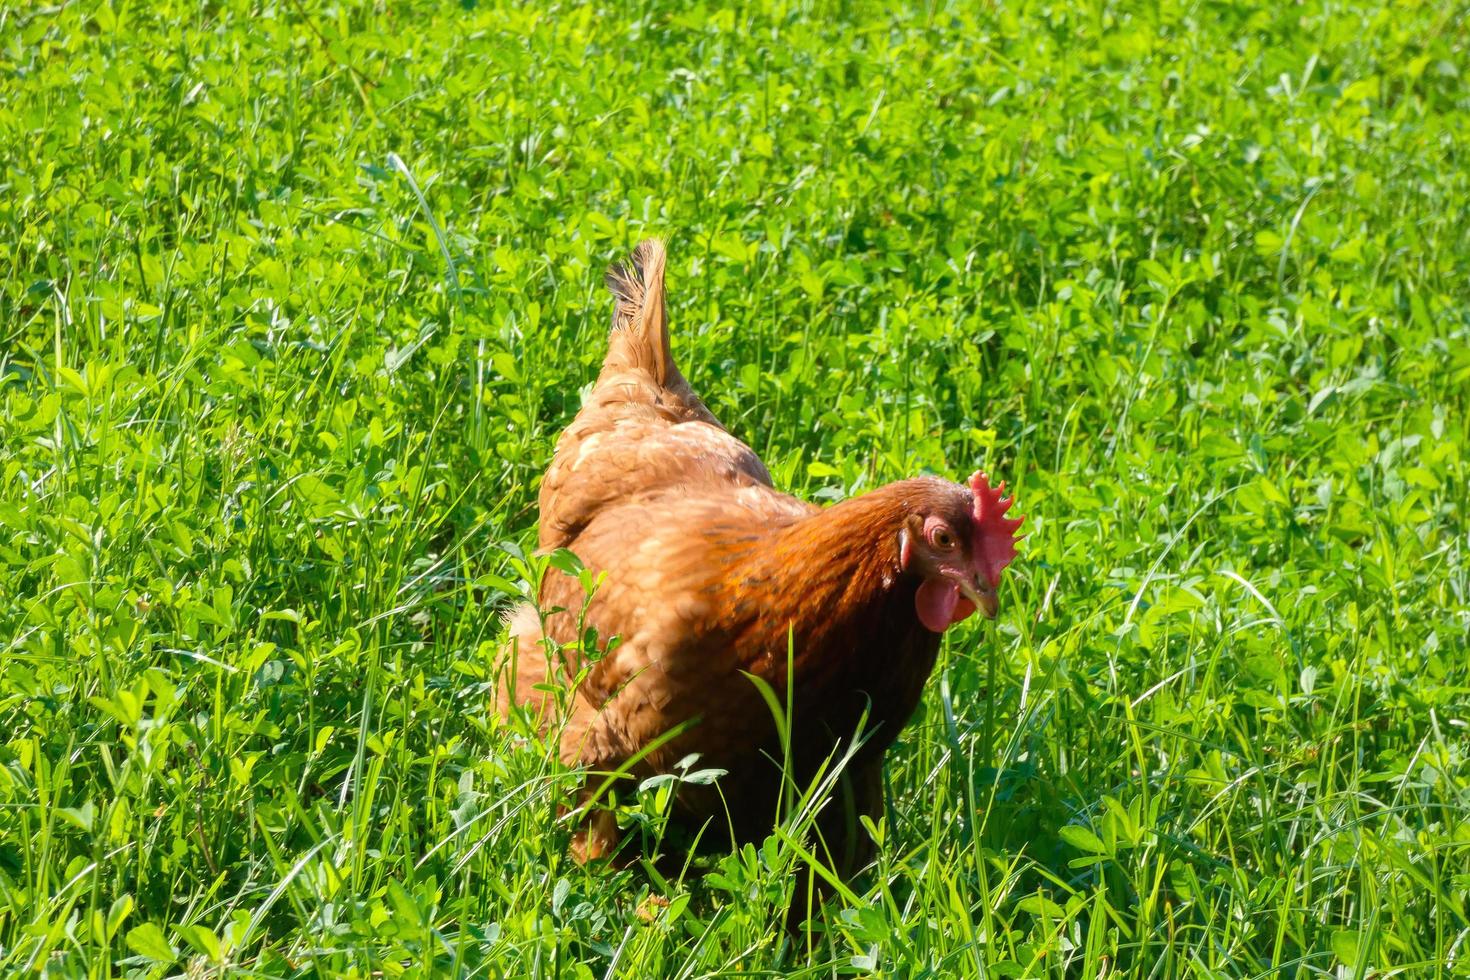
1191 275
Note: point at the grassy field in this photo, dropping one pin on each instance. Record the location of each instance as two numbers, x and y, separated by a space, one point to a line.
295 296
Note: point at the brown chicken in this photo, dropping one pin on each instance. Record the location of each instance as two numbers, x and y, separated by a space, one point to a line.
712 574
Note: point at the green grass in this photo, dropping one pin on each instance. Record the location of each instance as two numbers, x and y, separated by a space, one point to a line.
1191 276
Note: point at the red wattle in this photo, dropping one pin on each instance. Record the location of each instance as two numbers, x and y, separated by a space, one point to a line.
963 610
939 605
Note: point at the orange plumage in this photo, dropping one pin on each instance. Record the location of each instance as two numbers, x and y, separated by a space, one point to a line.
711 573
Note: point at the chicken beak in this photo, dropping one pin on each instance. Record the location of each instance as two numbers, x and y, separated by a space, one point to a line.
983 596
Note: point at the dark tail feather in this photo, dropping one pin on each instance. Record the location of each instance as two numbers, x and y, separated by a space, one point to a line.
640 327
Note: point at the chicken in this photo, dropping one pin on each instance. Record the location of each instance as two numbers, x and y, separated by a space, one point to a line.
711 574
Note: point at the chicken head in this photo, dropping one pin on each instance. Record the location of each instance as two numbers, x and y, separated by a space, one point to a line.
959 544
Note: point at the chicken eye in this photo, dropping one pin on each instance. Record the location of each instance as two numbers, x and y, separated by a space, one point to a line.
941 538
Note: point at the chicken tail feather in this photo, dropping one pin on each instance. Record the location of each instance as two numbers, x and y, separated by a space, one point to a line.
640 328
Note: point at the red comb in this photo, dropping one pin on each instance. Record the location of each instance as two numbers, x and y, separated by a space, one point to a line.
995 533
